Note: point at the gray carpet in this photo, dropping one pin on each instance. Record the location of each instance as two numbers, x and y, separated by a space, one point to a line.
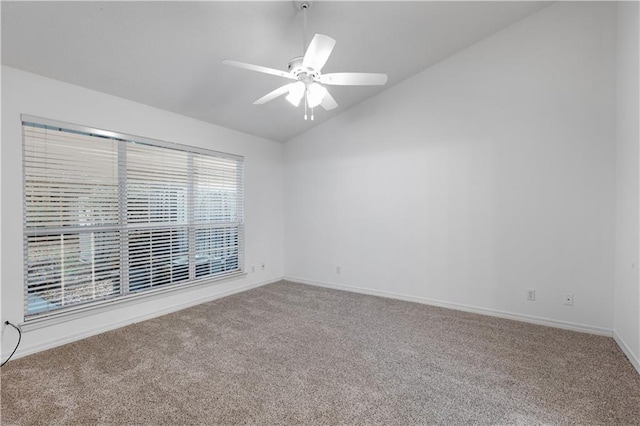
294 354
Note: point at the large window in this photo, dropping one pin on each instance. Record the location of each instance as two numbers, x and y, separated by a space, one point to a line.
108 215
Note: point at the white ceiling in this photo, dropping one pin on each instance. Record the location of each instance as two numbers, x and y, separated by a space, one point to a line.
168 54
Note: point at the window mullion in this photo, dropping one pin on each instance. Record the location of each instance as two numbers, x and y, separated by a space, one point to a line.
190 217
122 219
240 212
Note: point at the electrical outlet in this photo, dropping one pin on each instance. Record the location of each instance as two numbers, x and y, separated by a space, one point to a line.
568 299
531 294
253 269
262 266
338 270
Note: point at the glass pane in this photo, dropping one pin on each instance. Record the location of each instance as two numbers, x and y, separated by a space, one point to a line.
217 250
70 269
217 189
157 182
158 257
70 179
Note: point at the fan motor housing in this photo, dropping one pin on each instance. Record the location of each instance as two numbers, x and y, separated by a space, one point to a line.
302 73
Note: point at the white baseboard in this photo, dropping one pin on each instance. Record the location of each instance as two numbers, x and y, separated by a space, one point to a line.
450 305
49 344
633 359
462 307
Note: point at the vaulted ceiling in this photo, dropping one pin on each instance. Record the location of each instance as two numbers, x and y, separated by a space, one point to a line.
168 54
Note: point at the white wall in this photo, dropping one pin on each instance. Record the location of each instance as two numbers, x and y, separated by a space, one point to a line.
627 284
482 176
30 94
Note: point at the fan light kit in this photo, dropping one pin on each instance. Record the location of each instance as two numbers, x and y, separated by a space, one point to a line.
306 70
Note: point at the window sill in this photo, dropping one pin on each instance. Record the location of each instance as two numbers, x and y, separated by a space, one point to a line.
86 310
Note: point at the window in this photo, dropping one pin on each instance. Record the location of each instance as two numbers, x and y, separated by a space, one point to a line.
108 215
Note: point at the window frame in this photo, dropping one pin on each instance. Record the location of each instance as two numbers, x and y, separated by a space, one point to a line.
125 296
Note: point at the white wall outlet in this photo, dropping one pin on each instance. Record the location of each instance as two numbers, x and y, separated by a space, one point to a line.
253 269
262 266
568 299
531 294
338 270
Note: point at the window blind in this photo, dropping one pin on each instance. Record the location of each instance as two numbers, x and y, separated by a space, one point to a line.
107 215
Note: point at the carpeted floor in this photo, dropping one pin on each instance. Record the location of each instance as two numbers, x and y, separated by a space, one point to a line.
295 354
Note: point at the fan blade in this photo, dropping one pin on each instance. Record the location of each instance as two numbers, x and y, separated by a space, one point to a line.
318 52
328 102
258 68
353 79
274 94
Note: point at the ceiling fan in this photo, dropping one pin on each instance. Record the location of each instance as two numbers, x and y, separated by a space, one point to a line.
309 83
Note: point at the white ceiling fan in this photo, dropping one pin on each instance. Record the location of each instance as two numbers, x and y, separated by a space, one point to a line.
306 71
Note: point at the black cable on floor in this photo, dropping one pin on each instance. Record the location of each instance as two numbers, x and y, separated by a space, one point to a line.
17 344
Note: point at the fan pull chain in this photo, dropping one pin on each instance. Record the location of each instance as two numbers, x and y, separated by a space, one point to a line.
305 105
